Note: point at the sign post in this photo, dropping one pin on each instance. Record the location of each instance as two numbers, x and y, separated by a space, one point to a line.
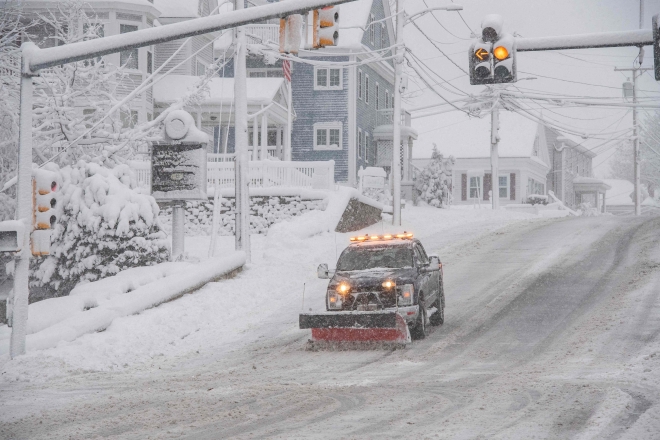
178 171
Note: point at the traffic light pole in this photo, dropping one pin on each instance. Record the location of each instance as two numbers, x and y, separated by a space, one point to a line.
396 118
23 212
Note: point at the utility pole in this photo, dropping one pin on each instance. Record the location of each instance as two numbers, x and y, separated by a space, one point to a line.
494 154
241 164
636 71
396 117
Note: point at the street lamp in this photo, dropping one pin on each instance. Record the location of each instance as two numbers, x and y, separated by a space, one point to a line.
396 119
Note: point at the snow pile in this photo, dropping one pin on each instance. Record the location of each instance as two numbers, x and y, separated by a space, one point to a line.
105 226
93 307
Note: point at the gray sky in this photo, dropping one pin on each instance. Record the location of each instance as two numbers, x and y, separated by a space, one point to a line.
533 18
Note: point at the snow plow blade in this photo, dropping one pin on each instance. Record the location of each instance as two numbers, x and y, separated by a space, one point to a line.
356 327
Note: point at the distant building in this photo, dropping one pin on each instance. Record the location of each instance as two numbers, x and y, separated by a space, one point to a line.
570 157
523 160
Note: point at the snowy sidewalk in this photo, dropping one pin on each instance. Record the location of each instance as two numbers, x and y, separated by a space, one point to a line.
93 307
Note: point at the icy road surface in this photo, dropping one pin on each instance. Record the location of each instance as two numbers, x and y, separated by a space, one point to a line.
552 331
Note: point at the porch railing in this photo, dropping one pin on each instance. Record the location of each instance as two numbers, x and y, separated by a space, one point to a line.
261 174
259 33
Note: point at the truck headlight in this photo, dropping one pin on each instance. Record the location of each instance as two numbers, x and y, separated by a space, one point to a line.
406 294
334 300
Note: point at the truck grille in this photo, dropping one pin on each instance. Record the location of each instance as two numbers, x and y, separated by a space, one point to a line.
369 300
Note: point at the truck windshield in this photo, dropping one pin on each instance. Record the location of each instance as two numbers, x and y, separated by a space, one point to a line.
362 258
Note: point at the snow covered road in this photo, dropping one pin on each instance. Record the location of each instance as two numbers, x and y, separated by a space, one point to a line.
552 331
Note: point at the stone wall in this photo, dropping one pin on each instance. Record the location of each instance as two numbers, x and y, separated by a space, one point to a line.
264 212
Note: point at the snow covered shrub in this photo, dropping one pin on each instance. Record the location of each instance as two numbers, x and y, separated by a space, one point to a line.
105 226
434 184
537 199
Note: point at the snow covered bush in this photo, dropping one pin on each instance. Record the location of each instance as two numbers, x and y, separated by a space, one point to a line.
105 226
434 184
537 199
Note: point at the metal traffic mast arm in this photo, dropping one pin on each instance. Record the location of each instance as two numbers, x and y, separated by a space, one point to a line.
43 58
638 37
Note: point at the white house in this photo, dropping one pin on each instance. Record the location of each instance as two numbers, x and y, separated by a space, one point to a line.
523 160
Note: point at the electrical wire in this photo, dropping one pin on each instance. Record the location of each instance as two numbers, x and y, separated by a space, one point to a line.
442 26
440 50
581 83
436 92
444 81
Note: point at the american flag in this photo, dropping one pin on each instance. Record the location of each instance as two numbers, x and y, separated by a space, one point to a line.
286 68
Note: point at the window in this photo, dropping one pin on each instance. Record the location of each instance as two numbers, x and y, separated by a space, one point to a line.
377 92
366 147
535 187
265 73
475 187
327 136
128 58
372 30
387 99
88 115
150 63
504 187
383 36
366 89
201 68
150 117
359 142
360 84
129 119
327 79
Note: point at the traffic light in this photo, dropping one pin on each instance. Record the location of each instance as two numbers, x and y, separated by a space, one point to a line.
45 189
504 60
492 58
325 27
656 48
290 36
481 65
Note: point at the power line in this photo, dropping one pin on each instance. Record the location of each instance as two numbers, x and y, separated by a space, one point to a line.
440 50
441 25
444 81
581 83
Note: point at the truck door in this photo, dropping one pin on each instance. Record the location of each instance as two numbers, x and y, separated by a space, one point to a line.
425 278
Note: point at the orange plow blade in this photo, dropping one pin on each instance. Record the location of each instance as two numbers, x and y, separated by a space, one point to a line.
359 327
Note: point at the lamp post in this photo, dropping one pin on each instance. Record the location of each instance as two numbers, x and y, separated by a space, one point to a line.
396 117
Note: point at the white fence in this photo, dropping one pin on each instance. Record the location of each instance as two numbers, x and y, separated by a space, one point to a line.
261 174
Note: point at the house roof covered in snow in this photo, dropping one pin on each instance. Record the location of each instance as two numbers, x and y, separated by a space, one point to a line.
221 90
517 138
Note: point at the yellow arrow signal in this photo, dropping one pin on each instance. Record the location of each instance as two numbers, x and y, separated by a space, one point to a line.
481 53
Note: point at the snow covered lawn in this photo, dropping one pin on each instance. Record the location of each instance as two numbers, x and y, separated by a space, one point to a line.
263 301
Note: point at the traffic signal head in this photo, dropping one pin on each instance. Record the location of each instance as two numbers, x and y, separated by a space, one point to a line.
326 29
504 60
45 191
491 27
290 37
45 188
492 58
481 69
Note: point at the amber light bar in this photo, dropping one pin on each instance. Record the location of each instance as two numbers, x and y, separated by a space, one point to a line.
368 237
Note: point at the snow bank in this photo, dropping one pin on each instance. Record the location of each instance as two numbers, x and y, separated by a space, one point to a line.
92 307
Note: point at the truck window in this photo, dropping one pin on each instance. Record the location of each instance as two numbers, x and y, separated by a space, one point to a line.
362 258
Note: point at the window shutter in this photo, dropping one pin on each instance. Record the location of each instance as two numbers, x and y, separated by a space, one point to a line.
463 187
487 186
512 184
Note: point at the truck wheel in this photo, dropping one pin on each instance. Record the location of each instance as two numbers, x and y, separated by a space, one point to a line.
419 330
438 318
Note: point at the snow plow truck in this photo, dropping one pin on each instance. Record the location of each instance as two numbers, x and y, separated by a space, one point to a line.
385 289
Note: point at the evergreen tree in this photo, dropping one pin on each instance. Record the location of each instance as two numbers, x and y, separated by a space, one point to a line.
434 184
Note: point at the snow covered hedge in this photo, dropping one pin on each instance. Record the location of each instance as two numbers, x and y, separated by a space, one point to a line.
105 226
